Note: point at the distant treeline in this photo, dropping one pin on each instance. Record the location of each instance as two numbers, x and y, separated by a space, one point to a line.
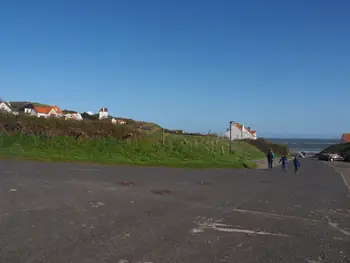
189 133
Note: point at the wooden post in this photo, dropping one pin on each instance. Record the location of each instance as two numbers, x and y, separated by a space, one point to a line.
163 137
230 146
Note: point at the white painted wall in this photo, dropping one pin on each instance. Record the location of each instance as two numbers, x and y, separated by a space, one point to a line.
29 111
75 116
41 115
3 106
247 134
255 136
103 115
236 133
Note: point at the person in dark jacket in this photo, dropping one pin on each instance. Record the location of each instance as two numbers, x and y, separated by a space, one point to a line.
270 156
283 160
296 164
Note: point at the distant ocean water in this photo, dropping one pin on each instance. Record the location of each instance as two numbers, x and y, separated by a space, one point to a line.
311 145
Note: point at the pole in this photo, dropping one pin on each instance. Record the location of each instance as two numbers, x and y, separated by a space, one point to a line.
230 145
163 137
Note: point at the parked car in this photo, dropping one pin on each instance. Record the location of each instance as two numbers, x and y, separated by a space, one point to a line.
330 157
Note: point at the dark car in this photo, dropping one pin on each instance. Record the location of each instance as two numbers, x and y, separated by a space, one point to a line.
330 157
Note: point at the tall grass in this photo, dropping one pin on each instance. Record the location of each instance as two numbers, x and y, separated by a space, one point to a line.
177 151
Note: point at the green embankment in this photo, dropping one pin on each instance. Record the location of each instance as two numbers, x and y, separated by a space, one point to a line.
343 149
177 151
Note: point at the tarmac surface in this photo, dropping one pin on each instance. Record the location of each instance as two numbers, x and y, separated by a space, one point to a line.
52 212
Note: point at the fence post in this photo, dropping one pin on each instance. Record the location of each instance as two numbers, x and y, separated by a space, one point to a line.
163 137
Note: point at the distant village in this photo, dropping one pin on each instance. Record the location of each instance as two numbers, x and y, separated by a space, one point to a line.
238 131
55 111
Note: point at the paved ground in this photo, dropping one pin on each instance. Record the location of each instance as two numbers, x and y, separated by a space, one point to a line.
79 213
343 168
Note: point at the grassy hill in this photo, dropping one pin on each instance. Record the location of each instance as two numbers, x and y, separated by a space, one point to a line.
136 143
176 151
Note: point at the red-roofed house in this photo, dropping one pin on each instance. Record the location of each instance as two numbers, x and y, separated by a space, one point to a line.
345 138
46 112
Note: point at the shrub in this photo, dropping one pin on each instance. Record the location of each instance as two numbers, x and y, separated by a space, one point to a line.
343 149
61 127
264 145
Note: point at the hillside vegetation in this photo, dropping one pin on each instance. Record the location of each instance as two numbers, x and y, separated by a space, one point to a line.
264 145
343 149
100 141
175 152
59 127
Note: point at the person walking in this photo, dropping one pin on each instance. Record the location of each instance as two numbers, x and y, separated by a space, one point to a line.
283 160
296 164
270 156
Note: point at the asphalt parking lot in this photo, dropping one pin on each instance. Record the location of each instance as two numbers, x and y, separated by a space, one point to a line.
51 212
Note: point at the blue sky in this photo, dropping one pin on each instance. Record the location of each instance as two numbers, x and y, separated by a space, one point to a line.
282 67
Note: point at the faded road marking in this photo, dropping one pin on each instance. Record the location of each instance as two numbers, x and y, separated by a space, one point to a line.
197 230
97 204
345 181
13 190
337 169
277 216
229 229
334 225
84 170
35 208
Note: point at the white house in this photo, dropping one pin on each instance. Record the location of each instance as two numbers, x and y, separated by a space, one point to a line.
28 109
6 106
117 121
103 113
239 132
73 116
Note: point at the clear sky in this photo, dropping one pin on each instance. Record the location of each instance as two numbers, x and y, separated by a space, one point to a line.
282 67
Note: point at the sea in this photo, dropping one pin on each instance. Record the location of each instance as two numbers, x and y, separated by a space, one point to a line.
305 145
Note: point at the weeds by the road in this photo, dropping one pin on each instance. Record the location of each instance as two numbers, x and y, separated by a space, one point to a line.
177 151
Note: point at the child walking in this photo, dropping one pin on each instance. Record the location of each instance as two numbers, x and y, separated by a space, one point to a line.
283 160
296 164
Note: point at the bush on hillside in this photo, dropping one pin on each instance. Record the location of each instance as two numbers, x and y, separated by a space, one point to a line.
264 145
59 127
